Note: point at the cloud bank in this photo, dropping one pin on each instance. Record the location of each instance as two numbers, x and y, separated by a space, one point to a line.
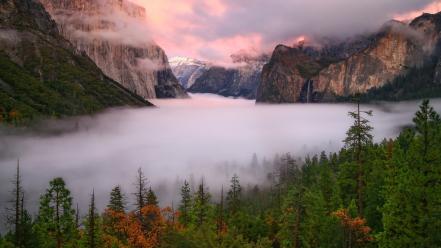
213 30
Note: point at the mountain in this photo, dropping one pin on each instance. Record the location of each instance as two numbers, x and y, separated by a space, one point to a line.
41 74
241 80
376 65
187 70
112 33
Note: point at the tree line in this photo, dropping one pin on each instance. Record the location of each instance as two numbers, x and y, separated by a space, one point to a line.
385 194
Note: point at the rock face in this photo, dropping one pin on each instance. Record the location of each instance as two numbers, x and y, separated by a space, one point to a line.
297 75
203 77
111 33
187 70
40 73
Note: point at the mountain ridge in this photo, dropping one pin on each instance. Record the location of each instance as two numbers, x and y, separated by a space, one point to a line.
388 55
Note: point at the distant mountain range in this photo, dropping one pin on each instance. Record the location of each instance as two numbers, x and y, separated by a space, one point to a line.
240 80
400 61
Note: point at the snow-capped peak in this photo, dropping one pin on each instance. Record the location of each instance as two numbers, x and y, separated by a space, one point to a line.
179 60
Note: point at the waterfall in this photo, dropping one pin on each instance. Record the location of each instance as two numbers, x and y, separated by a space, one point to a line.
308 90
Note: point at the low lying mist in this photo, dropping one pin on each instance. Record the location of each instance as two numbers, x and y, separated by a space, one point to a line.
205 136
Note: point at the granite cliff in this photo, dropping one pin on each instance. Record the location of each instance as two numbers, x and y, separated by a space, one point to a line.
112 34
41 74
299 75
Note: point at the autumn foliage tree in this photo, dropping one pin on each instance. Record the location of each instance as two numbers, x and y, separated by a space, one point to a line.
356 231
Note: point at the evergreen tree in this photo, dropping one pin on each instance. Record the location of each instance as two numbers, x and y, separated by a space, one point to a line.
141 190
185 206
201 206
16 209
151 198
55 221
220 223
92 224
414 186
116 202
234 195
77 217
426 124
357 137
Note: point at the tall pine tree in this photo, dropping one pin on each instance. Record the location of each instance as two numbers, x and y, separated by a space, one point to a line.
357 138
55 222
185 206
234 195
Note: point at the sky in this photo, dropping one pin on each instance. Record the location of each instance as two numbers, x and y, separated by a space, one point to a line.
214 29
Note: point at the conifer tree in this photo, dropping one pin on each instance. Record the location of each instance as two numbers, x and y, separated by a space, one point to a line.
201 204
413 186
15 210
141 190
426 122
357 137
185 205
220 218
77 217
92 223
151 198
116 202
234 195
55 221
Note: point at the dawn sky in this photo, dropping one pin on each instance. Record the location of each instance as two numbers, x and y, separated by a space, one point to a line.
213 30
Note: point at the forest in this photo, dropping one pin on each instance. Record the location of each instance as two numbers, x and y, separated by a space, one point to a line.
385 194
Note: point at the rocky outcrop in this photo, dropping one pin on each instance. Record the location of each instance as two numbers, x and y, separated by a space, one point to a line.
40 73
284 77
241 80
111 33
393 52
379 60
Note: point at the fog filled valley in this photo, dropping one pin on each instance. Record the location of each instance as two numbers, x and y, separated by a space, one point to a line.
220 123
206 137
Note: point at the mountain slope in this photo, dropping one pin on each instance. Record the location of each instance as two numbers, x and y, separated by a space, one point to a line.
40 73
241 80
112 34
389 55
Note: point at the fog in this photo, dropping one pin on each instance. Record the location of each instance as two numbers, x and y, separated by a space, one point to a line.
206 136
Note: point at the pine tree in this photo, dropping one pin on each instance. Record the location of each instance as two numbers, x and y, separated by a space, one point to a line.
220 223
201 204
151 198
413 185
426 121
357 137
77 217
185 205
141 190
116 202
55 221
15 211
92 223
234 195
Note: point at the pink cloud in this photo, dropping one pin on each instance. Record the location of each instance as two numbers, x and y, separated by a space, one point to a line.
212 30
431 8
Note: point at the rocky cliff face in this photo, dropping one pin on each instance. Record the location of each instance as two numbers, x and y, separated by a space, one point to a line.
379 60
112 35
203 77
40 73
